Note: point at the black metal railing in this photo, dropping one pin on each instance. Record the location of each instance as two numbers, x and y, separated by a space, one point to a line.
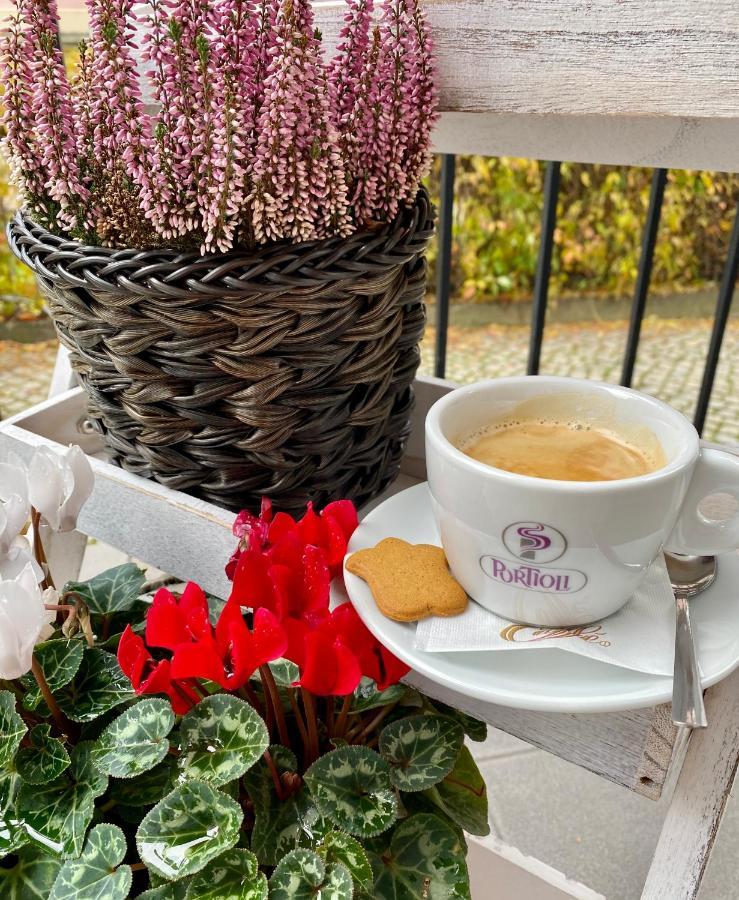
543 269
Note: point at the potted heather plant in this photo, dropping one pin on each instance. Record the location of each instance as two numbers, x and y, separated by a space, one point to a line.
236 268
160 743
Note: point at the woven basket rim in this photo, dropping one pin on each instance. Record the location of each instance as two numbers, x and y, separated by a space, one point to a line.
24 222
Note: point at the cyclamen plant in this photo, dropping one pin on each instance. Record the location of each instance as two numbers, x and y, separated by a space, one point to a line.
257 136
162 743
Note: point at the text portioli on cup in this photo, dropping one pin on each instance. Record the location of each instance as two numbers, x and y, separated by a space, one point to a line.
533 578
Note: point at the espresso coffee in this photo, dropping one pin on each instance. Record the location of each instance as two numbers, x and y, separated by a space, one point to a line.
567 450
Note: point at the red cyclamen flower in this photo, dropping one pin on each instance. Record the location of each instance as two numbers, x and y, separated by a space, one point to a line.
227 654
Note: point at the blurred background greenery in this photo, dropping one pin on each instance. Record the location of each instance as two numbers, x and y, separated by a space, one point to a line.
600 217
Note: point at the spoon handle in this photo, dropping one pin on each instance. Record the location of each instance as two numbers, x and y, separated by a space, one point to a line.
687 694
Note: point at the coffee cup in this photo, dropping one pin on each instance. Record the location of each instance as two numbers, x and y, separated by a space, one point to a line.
561 552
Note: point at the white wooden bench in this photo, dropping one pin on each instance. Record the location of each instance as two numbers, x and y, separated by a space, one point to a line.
640 82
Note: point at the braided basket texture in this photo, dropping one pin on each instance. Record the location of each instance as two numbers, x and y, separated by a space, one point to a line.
286 372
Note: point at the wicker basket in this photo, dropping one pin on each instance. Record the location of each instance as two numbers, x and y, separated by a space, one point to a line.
284 373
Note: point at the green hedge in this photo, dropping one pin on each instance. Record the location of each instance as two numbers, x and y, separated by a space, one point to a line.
600 217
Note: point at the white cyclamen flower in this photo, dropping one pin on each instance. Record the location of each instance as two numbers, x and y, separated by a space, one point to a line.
23 621
14 505
16 559
59 484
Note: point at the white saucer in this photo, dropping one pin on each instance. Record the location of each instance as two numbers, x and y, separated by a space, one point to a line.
550 680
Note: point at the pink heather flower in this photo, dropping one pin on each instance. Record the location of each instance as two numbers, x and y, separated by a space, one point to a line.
300 190
20 143
423 98
347 66
52 111
171 46
121 130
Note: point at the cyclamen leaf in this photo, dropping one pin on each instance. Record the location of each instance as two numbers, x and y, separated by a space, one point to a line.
44 760
234 875
366 695
59 660
98 686
98 872
31 878
475 729
463 795
303 875
337 847
172 890
421 750
221 739
187 829
114 590
422 857
56 815
351 786
146 789
12 728
12 834
285 672
136 741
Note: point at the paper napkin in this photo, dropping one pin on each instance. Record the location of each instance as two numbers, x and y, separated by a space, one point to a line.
640 636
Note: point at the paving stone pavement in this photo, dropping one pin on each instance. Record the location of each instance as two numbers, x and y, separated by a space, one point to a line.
25 374
669 365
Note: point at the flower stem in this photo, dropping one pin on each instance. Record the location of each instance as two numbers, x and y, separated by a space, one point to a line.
299 720
38 549
268 681
309 702
61 720
330 716
250 695
361 733
343 715
274 773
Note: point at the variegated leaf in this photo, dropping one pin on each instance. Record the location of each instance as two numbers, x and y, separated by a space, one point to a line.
59 660
146 789
221 739
98 686
12 833
366 695
114 590
475 729
98 872
421 750
463 796
136 741
44 760
303 875
32 876
421 857
351 786
284 672
187 829
172 890
12 728
337 847
56 815
234 875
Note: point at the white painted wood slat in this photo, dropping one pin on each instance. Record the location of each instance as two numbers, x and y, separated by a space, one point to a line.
637 82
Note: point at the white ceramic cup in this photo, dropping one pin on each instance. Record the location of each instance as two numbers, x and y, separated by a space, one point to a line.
561 553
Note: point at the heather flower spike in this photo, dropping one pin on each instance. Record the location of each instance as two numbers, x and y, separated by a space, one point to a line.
255 137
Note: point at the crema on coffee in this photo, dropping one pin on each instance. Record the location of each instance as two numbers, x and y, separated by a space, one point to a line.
566 450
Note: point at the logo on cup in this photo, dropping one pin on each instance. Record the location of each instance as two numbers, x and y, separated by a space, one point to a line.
534 542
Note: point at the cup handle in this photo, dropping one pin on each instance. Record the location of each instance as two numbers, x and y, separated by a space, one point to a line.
716 472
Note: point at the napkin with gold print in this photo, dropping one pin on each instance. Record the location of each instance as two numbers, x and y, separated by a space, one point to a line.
640 636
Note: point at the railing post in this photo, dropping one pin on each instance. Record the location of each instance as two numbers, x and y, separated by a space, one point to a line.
721 316
543 265
444 261
646 259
